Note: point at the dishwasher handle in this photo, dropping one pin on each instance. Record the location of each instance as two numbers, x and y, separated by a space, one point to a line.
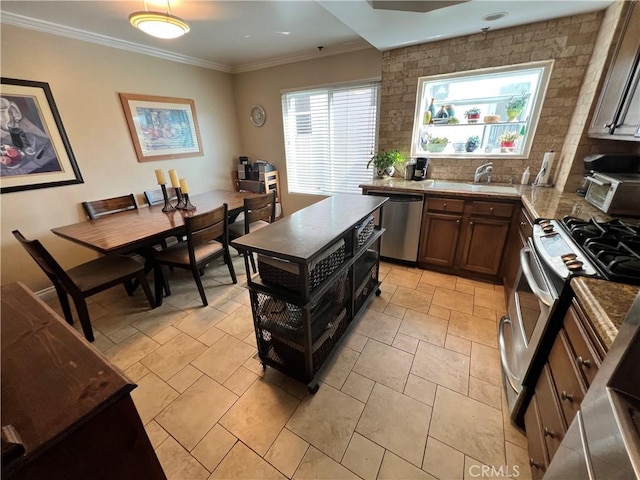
398 197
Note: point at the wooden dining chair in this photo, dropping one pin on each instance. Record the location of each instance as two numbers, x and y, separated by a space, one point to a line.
155 197
98 208
85 280
207 239
258 212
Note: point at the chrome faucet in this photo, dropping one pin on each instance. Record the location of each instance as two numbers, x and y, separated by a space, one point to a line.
481 171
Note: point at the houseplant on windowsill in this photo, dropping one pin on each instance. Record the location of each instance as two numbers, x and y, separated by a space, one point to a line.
385 161
472 143
437 144
472 115
515 104
508 141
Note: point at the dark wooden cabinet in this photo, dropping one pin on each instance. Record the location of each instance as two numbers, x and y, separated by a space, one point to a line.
466 237
521 229
552 420
538 457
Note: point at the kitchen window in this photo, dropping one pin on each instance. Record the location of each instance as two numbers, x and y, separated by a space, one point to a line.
329 136
491 112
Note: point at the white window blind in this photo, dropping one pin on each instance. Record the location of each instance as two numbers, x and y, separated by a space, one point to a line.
329 136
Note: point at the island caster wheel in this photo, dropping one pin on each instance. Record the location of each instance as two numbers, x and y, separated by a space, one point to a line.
313 388
264 367
378 292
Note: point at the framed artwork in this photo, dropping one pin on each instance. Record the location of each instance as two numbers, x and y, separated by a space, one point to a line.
162 127
34 149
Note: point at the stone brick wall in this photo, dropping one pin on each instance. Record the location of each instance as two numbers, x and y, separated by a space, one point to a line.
570 41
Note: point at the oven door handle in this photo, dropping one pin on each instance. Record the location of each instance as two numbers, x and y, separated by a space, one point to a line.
543 296
597 181
511 378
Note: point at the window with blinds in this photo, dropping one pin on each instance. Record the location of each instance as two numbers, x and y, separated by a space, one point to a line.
329 136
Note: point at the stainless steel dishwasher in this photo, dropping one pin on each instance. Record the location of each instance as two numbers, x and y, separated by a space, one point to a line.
401 217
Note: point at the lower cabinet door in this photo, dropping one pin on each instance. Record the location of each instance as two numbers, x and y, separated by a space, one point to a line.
484 244
538 458
553 426
439 239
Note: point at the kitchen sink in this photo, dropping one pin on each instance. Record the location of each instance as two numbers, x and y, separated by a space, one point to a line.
472 187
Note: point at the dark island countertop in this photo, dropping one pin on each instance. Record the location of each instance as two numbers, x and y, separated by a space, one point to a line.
605 303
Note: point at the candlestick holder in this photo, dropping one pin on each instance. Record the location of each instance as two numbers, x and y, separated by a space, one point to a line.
180 196
187 203
167 204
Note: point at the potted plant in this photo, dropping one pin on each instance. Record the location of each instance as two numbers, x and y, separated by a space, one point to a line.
508 141
515 104
472 115
437 144
472 143
384 162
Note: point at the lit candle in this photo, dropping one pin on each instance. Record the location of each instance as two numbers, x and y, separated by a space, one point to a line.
175 183
184 186
160 177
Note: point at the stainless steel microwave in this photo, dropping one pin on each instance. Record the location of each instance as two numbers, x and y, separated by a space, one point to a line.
615 193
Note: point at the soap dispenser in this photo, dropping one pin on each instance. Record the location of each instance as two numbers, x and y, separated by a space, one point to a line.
525 177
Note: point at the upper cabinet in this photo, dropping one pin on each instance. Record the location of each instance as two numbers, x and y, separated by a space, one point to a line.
617 115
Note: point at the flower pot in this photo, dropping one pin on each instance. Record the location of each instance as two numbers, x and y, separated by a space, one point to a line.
459 147
436 147
470 148
507 147
385 172
513 114
473 117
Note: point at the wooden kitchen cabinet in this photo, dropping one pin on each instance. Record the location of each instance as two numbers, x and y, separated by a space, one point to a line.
538 456
465 236
521 230
617 116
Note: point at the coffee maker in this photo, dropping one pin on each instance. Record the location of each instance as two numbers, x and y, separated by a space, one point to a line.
422 164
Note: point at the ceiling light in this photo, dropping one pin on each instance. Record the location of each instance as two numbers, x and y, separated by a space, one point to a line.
494 16
159 24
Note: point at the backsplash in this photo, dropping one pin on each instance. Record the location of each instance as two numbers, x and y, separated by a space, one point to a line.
570 41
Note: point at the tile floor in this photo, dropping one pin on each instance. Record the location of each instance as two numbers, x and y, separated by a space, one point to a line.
413 390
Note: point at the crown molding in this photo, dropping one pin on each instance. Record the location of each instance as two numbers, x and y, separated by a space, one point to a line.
83 35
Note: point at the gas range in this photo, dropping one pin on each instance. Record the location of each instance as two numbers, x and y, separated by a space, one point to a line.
572 246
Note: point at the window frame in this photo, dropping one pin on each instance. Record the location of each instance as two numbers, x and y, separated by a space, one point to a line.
534 108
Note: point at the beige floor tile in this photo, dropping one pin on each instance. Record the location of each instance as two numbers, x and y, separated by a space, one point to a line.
438 279
440 312
475 283
405 342
484 312
327 420
136 371
213 447
193 414
223 358
122 334
177 463
358 387
485 392
472 328
286 452
485 364
425 288
229 307
132 350
211 336
363 457
444 367
338 367
424 327
464 288
518 457
295 388
458 344
239 323
354 341
489 299
184 378
173 356
163 336
407 298
152 396
259 415
242 463
158 319
101 341
396 422
474 469
115 320
442 461
395 310
422 390
458 301
199 320
406 279
395 468
384 364
240 381
378 326
156 433
315 465
468 426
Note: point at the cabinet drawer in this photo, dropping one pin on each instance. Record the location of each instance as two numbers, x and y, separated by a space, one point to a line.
585 358
566 377
493 209
524 224
445 205
538 459
553 426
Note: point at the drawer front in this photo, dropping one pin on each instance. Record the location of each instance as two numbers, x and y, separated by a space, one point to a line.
585 358
553 426
451 205
565 375
538 459
493 209
524 224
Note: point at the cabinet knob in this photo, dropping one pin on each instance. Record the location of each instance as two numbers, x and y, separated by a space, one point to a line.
491 209
548 433
522 224
470 223
445 206
533 463
566 396
458 221
584 363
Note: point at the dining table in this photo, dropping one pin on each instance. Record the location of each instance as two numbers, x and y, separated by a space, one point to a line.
135 231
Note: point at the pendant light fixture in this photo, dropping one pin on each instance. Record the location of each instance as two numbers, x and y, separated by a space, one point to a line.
159 24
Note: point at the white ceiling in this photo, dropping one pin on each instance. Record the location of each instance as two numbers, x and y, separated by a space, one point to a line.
238 35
